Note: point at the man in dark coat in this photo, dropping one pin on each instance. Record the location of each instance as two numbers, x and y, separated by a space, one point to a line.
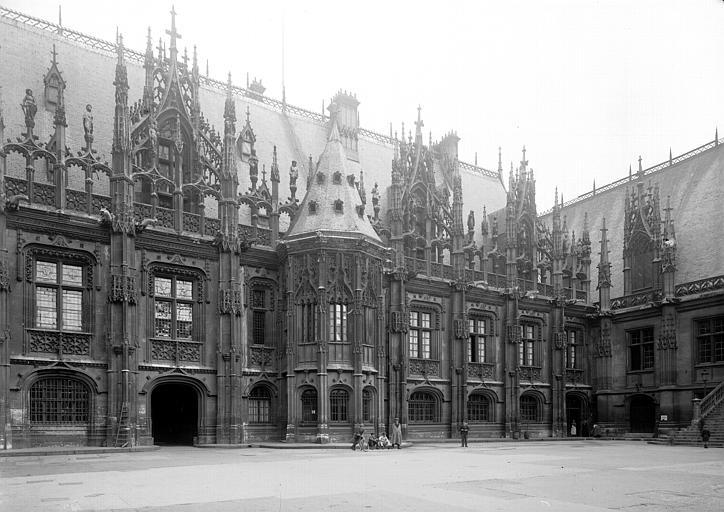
396 434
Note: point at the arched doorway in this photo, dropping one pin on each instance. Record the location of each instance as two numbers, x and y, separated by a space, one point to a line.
174 413
642 414
576 414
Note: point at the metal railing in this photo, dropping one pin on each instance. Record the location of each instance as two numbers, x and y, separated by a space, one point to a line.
711 400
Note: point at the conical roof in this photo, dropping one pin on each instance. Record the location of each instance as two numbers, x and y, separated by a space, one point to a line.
331 203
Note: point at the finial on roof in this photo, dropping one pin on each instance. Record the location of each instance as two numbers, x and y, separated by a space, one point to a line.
173 33
670 159
641 169
716 136
555 204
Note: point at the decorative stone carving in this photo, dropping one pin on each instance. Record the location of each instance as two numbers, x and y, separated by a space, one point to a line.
424 367
261 356
230 302
4 277
399 321
123 289
667 333
55 342
163 349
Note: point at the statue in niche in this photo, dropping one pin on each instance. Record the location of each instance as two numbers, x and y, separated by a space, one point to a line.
88 126
293 176
30 108
471 221
153 134
413 217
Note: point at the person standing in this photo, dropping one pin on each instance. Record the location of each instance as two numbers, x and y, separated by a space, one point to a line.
396 435
464 429
574 430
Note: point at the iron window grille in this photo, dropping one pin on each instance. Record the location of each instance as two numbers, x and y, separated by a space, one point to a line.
338 405
478 407
309 406
367 397
260 405
528 408
59 400
422 408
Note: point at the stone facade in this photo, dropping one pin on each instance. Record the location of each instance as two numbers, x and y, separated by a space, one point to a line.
156 285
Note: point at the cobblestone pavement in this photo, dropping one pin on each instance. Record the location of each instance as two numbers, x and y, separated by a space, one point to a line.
554 476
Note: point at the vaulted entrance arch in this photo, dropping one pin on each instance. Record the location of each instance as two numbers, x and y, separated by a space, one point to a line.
174 413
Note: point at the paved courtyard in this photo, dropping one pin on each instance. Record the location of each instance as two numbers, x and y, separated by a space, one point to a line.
555 476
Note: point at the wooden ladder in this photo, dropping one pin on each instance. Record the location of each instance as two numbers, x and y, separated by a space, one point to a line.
122 421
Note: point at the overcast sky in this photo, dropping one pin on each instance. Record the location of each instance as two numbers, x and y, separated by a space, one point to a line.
585 85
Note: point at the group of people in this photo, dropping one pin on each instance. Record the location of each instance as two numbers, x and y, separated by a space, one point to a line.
373 442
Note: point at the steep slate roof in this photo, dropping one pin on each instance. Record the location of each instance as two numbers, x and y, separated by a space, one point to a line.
695 188
324 191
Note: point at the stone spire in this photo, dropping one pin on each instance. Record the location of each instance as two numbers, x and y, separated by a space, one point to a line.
604 272
229 157
329 204
149 65
121 125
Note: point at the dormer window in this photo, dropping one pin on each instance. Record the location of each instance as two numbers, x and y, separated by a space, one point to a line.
337 178
313 207
338 206
320 178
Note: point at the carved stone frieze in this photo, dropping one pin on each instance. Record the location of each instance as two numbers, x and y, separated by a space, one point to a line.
424 367
530 373
56 342
261 356
481 371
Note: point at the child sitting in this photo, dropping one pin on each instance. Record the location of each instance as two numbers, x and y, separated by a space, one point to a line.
383 441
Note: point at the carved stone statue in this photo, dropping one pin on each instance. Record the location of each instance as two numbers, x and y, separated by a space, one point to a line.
293 176
375 195
153 134
30 108
88 126
471 221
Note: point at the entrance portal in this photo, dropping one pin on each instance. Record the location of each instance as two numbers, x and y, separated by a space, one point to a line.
575 414
174 413
643 414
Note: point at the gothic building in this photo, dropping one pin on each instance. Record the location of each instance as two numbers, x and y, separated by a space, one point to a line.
158 285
